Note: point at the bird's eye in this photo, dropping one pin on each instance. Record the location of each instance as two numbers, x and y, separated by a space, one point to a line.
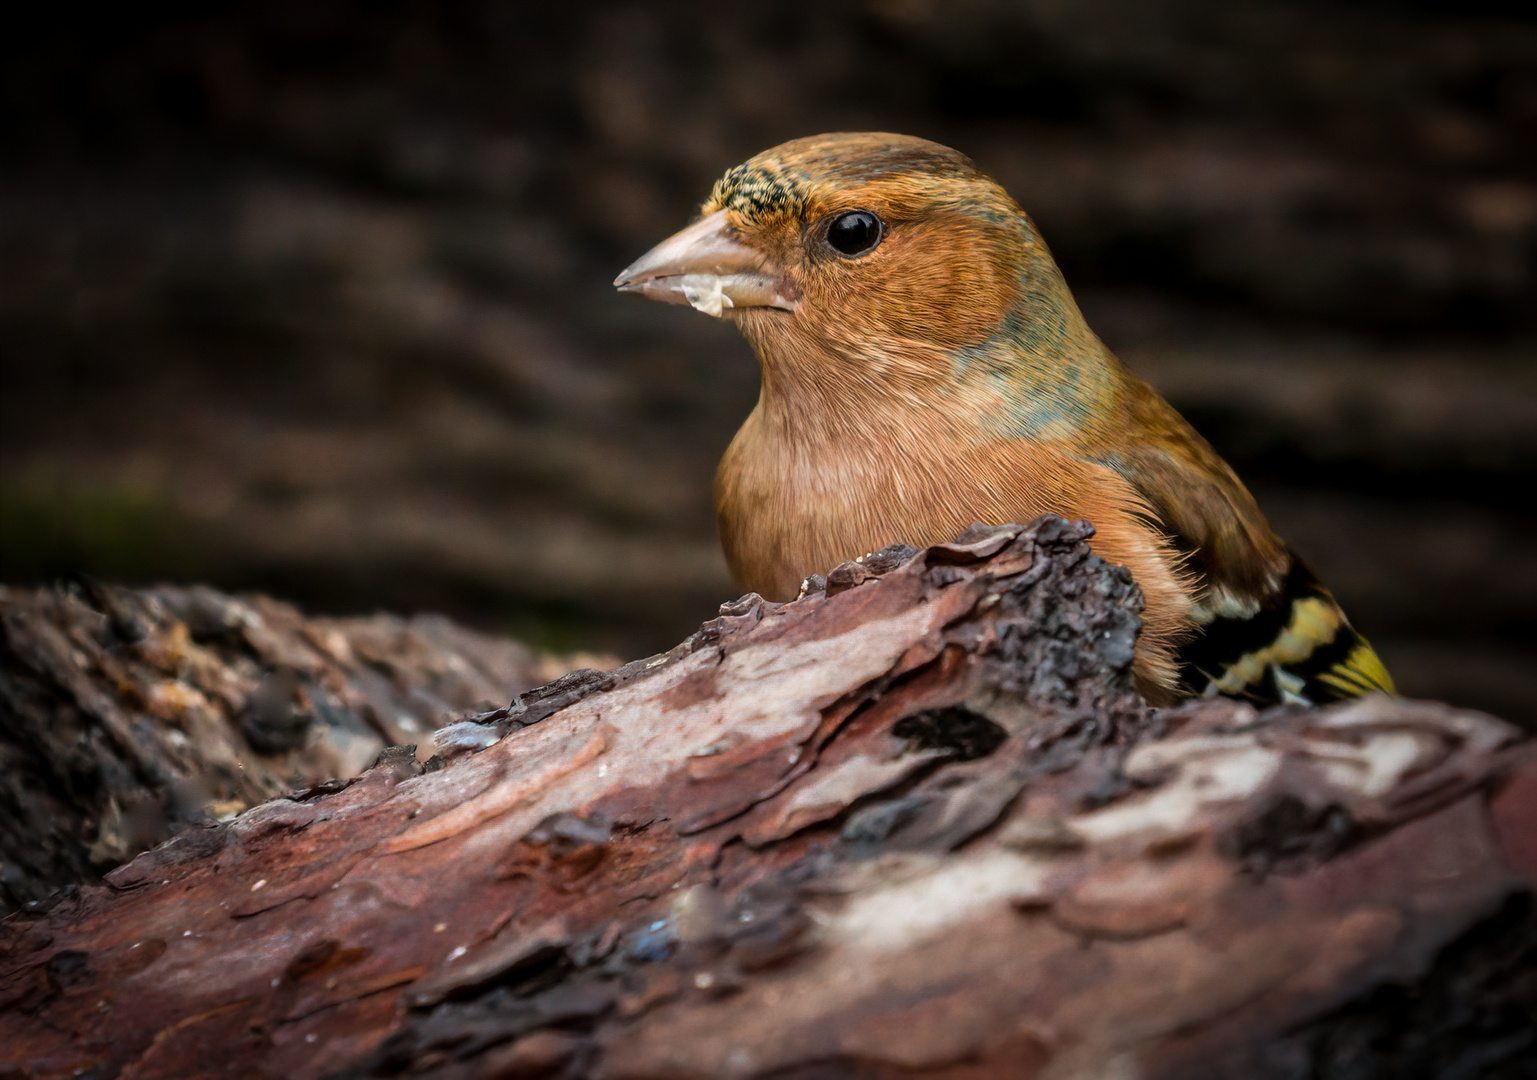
854 233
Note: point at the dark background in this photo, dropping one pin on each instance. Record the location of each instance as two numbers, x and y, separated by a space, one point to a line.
314 297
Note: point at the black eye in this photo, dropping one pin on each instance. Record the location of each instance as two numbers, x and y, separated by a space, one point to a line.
855 232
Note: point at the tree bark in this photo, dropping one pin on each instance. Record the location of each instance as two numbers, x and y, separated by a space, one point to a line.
915 823
126 715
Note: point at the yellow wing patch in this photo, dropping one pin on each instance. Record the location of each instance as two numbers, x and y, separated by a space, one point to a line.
1301 654
1362 672
1314 622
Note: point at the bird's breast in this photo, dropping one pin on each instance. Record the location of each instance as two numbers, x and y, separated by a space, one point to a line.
791 503
794 503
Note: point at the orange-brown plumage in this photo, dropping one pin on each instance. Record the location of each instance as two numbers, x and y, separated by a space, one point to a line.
941 376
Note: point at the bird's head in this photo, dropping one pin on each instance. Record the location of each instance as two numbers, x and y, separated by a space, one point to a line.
864 253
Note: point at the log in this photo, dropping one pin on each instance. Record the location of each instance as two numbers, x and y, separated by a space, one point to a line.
915 823
126 715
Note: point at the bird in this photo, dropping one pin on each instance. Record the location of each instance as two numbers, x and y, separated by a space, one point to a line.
924 366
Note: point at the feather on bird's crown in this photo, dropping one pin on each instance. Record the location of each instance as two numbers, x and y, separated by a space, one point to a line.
790 179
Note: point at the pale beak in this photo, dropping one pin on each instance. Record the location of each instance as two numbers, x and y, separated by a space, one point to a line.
707 267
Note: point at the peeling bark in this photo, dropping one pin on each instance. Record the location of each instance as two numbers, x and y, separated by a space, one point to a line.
915 823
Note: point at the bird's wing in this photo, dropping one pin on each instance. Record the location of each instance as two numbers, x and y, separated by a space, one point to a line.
1296 646
1265 628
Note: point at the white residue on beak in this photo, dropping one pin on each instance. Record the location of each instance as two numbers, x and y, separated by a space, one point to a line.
704 293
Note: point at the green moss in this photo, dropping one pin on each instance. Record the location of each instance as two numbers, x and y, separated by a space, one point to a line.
126 531
549 626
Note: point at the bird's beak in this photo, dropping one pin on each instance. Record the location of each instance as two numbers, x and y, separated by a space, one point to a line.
709 268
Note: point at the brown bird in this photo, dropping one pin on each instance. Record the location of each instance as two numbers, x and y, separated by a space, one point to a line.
925 366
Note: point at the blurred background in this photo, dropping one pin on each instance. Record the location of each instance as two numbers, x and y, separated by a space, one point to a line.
314 297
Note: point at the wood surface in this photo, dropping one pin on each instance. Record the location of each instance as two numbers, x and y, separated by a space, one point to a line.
912 824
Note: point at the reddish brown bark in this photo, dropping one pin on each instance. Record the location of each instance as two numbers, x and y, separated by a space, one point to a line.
913 824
